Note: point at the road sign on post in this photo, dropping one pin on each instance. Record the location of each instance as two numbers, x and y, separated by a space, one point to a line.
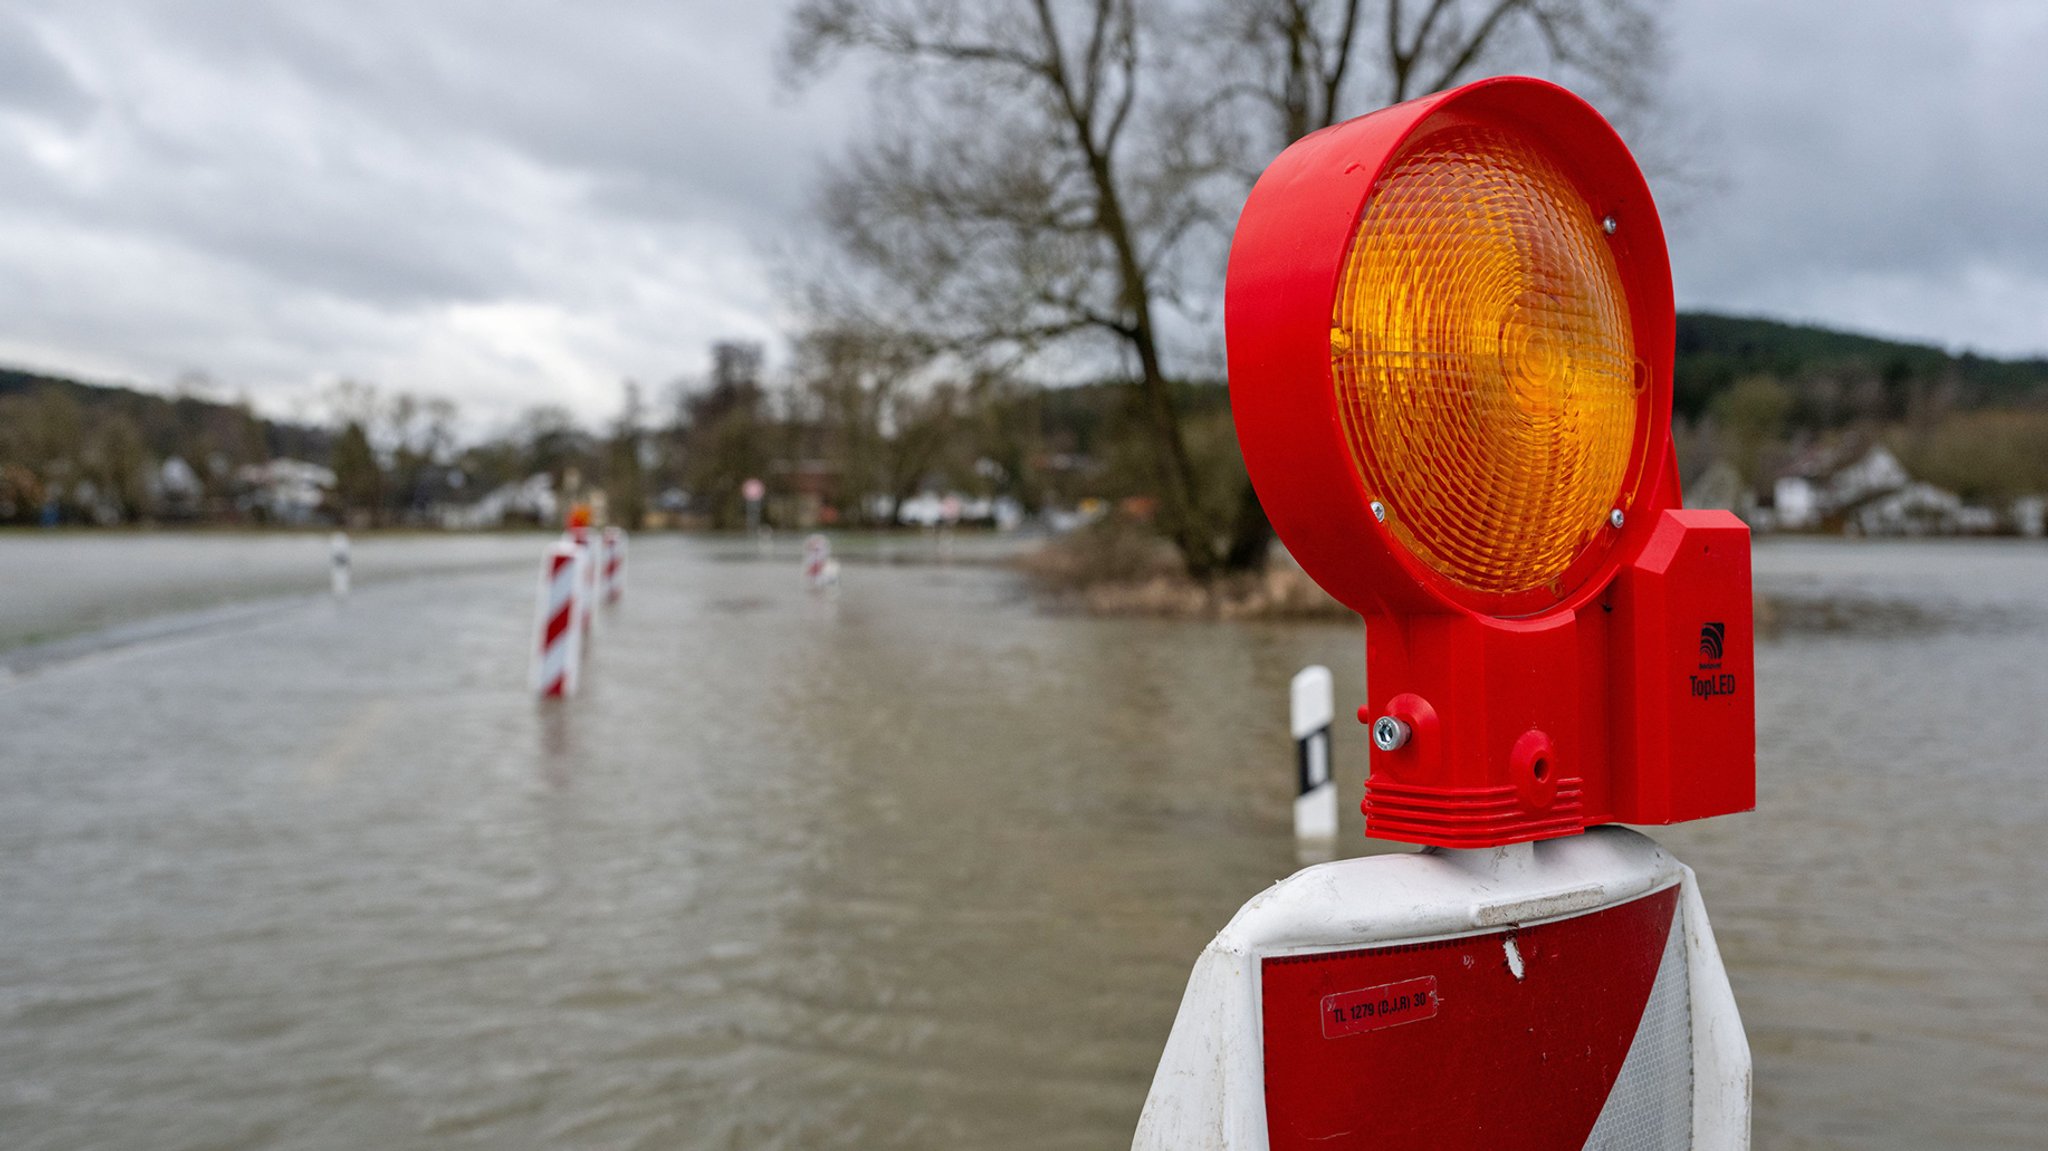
752 492
1450 336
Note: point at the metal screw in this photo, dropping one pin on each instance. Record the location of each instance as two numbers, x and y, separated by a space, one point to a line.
1616 518
1389 734
1608 225
1379 511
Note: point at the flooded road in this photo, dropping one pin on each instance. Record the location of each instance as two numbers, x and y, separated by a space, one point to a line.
110 588
918 867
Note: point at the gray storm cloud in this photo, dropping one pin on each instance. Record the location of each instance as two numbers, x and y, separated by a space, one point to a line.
506 203
1881 167
511 203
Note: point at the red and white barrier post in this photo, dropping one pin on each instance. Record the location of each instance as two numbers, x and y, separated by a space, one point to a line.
586 579
558 633
614 552
1311 709
821 571
338 564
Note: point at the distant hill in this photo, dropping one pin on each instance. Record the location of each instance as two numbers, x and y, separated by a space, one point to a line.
1863 372
175 425
1835 377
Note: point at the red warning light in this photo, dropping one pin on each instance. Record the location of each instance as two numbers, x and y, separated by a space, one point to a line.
1450 337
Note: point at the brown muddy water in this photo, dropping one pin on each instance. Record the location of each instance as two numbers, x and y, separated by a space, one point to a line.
921 866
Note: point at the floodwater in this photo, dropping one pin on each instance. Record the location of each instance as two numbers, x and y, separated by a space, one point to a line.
919 866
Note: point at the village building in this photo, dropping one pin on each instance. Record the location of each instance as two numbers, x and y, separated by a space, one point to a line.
285 491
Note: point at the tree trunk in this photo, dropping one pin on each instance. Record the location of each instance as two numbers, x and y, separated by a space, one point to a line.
1251 534
1176 474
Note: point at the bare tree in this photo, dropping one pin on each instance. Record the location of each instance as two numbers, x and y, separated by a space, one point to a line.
1315 62
1048 169
881 416
1038 187
727 431
625 475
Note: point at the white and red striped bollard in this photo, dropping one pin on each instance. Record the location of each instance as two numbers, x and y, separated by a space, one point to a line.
586 584
614 564
558 640
337 547
821 571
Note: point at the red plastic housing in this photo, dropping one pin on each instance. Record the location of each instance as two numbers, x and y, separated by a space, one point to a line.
1441 1046
1638 707
1542 719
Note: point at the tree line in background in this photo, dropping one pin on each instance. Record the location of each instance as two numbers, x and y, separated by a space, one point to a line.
856 427
845 435
1046 195
1765 398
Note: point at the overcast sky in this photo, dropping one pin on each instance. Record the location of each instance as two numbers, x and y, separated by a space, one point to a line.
511 203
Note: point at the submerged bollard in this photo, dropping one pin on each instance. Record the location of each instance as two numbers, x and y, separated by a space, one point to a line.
1311 709
337 546
587 588
558 633
578 537
821 571
614 549
578 532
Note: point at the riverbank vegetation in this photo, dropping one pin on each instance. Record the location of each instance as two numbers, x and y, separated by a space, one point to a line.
839 438
1115 566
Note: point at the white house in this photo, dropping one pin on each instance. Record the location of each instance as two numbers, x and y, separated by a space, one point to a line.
2030 516
1921 509
1831 482
176 488
531 500
285 490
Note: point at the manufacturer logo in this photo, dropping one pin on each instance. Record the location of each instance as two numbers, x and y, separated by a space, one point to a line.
1713 644
1709 686
1713 639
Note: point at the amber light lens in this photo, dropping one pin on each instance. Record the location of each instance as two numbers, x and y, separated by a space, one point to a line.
1485 363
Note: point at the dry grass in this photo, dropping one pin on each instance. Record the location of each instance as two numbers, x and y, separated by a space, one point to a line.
1115 568
1118 568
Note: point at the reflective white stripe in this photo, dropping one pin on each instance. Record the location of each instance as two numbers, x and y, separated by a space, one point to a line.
1315 813
1650 1106
1311 707
614 564
585 593
1311 701
554 662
